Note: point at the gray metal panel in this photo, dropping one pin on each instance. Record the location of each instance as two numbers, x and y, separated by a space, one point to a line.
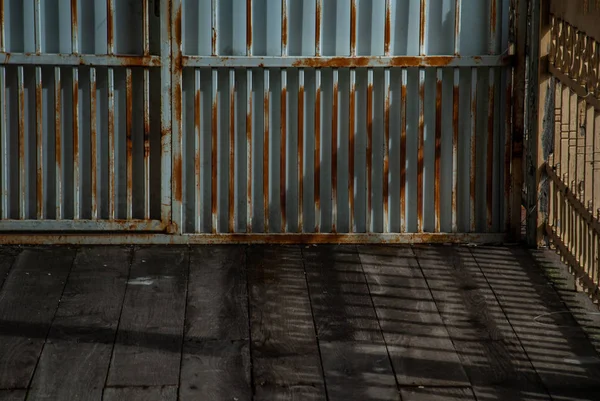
216 43
66 163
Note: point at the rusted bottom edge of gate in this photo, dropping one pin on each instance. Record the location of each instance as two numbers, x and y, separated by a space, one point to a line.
190 239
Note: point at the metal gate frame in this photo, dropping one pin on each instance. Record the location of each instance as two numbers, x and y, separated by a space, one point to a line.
37 229
172 62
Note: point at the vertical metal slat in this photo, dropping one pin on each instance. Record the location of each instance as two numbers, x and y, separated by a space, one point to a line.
197 151
438 150
22 165
473 175
351 150
300 150
93 144
317 155
369 153
231 192
403 110
266 114
334 148
386 149
283 152
490 149
421 149
129 135
214 145
249 169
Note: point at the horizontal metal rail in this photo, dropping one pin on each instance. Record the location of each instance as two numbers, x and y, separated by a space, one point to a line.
82 225
245 238
351 61
79 60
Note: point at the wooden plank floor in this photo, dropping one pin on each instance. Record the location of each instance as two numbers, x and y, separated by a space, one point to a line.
328 322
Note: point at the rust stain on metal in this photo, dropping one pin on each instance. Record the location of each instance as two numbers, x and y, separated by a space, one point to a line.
300 157
334 154
110 26
388 27
266 161
351 154
317 158
74 17
353 28
284 24
213 160
490 158
248 27
2 31
214 41
282 159
318 13
421 154
403 103
493 18
232 158
177 179
422 28
369 155
438 154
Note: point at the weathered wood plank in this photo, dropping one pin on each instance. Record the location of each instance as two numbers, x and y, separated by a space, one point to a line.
437 394
12 395
560 352
284 346
28 302
216 355
216 370
417 340
75 359
355 371
289 393
161 393
339 295
355 360
8 254
150 334
490 352
217 306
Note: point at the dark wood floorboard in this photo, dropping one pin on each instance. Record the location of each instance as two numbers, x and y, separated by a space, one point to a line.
149 338
355 359
12 395
8 254
490 351
162 393
417 340
28 302
75 359
284 348
438 394
562 355
216 353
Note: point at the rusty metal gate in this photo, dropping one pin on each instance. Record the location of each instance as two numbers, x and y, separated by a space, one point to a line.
179 121
566 135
